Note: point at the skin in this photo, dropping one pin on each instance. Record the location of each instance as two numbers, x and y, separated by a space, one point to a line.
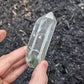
13 65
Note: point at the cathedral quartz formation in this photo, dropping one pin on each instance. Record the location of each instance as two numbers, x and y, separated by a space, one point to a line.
40 39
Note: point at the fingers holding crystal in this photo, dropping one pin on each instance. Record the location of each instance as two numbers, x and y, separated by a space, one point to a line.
16 73
15 66
11 59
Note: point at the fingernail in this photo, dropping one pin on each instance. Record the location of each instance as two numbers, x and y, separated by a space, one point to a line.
24 48
44 63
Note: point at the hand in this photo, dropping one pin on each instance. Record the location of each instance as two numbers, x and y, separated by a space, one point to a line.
13 65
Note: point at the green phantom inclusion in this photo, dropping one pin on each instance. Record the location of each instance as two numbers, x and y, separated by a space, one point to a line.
40 39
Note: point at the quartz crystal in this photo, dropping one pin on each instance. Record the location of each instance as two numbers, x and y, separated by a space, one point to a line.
40 39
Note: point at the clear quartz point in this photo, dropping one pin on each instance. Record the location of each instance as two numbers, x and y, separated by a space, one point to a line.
40 39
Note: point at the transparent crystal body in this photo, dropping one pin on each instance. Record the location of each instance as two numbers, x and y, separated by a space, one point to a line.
40 39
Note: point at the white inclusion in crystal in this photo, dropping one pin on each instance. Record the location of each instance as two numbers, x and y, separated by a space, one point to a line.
39 36
40 39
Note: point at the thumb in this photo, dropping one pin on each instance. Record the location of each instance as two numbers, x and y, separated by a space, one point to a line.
39 75
2 35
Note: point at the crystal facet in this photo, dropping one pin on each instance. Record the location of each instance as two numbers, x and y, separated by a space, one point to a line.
40 39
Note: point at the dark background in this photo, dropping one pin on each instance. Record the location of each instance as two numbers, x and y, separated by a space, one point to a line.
66 52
